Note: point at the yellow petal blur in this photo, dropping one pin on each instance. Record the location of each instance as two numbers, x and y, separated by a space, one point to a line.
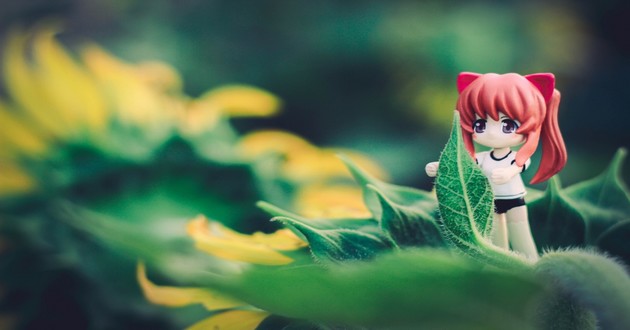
331 202
25 89
258 248
232 320
199 117
304 161
17 138
134 100
69 89
8 321
256 144
242 101
177 297
14 180
160 76
324 163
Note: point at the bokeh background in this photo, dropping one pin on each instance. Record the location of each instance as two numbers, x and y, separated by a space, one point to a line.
372 75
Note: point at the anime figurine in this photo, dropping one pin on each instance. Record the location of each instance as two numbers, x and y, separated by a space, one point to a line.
503 112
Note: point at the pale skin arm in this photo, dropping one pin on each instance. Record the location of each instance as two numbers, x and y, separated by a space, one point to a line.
505 174
432 168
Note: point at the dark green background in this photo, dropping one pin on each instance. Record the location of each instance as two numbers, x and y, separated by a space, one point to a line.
351 72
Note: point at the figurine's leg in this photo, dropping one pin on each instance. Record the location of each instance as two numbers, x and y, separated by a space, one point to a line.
519 232
499 234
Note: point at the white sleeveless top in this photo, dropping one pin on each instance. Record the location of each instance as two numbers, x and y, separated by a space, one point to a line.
513 188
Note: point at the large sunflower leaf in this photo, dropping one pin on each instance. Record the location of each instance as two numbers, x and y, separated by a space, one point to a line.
408 226
554 219
412 289
604 200
275 322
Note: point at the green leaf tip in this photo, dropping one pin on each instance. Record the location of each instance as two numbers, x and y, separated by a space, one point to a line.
364 179
358 174
408 225
339 244
318 223
398 194
276 211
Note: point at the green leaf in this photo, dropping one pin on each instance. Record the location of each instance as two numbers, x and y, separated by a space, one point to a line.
464 195
596 282
533 194
418 199
340 244
604 200
554 219
351 223
408 226
415 289
465 201
275 322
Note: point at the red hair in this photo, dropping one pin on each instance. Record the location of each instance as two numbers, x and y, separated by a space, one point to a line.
532 100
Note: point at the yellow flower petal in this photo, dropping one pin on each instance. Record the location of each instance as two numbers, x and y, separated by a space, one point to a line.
69 89
304 161
16 137
324 163
14 180
282 239
25 89
258 143
331 201
259 248
134 100
160 76
177 297
242 101
232 320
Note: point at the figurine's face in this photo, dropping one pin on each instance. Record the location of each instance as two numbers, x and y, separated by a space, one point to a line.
497 134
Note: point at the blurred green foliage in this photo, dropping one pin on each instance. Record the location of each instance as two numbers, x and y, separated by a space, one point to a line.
399 270
375 76
331 60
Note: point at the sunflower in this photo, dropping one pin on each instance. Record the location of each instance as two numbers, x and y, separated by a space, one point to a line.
103 160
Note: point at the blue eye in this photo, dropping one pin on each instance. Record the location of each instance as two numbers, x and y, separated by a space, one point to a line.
509 126
479 126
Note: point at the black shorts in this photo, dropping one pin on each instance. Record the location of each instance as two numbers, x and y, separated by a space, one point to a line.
503 205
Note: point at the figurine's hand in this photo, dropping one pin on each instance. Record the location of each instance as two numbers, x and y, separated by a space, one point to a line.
503 175
432 169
